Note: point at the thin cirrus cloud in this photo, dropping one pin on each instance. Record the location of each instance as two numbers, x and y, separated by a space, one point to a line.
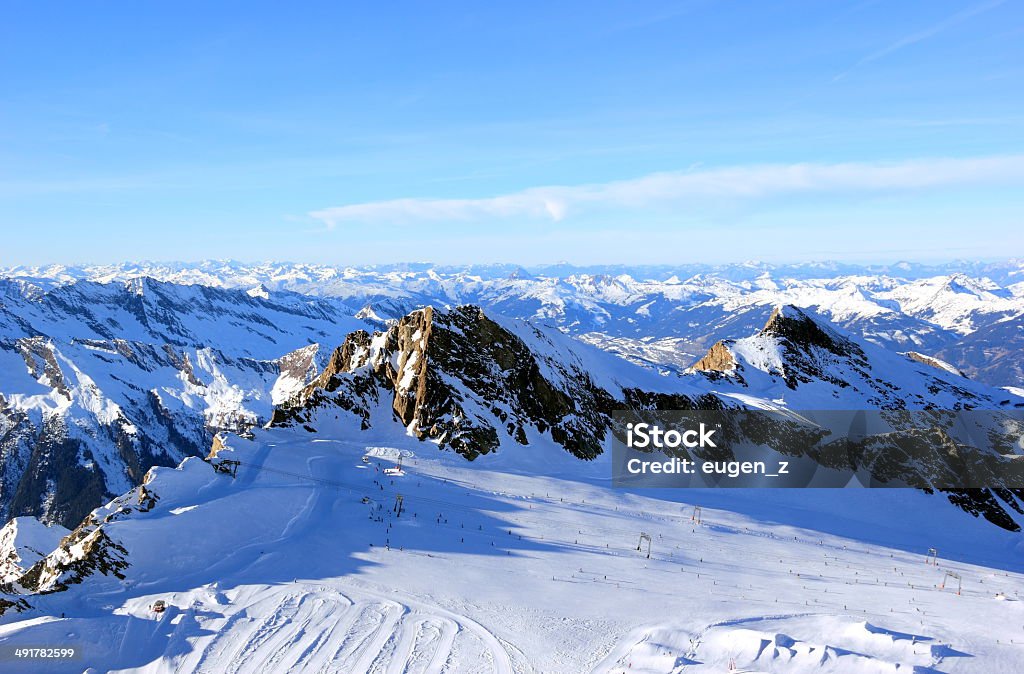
922 35
556 203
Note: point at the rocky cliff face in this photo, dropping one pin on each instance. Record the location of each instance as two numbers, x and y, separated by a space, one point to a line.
99 382
934 362
718 360
463 380
807 346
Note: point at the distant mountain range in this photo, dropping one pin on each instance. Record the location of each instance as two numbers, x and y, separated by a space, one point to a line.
969 314
109 371
233 272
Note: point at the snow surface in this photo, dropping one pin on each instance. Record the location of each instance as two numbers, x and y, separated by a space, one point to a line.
286 568
23 542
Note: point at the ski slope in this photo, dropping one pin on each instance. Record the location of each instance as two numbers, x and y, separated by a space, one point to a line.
299 563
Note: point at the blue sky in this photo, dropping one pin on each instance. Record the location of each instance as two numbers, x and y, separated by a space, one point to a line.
523 132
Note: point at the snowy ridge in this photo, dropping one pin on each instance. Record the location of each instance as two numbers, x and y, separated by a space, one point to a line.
968 314
810 365
100 382
23 542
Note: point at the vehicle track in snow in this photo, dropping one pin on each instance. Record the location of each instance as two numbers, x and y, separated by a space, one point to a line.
325 630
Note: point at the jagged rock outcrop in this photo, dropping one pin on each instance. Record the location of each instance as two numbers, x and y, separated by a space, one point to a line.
86 551
933 362
461 379
718 359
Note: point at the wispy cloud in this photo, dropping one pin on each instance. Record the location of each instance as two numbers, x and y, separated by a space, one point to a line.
554 203
922 35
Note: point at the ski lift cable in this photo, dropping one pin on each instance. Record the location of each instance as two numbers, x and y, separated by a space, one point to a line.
591 530
595 531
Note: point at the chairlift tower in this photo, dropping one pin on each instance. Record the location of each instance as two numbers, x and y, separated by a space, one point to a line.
959 581
933 557
644 536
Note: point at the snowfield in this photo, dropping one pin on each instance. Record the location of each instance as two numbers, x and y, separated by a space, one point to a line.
524 561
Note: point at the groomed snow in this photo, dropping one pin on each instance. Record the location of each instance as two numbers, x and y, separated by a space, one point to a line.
286 568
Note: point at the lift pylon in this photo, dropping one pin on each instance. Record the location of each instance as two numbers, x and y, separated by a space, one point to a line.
959 581
644 536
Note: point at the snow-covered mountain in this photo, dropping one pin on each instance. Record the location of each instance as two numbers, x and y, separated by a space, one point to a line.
99 382
103 380
287 551
804 363
474 382
232 273
969 314
23 542
476 385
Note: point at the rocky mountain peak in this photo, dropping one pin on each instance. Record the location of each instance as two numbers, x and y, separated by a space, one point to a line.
802 332
462 379
717 359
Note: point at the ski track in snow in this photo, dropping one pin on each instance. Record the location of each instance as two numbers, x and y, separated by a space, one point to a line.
570 595
320 630
378 635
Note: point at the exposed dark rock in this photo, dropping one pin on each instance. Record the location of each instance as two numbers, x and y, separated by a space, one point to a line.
717 359
461 379
932 362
